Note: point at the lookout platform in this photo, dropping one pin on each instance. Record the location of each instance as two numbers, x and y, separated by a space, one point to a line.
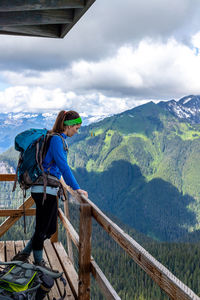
57 258
78 275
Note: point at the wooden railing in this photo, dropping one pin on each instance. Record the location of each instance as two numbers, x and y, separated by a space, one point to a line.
170 284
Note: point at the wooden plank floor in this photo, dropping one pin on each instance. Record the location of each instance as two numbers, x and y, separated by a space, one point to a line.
57 258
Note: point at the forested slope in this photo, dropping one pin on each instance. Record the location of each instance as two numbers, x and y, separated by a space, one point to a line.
129 280
142 166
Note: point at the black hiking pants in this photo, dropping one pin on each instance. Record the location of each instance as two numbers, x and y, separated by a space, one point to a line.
46 219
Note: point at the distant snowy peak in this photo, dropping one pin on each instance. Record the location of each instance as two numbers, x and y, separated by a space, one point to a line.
26 119
40 120
94 119
49 116
186 100
190 101
13 123
187 108
21 116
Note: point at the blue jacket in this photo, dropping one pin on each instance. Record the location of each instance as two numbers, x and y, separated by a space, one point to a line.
56 159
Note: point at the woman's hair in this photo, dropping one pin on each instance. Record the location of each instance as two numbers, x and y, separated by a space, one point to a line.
61 117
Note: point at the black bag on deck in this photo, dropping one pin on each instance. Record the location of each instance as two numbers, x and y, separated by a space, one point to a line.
24 281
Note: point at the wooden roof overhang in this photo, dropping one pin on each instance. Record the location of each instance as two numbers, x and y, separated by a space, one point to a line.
41 18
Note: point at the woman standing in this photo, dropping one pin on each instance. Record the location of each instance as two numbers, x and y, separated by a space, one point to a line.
55 163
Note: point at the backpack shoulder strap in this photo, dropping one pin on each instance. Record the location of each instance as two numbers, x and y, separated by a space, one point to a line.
65 146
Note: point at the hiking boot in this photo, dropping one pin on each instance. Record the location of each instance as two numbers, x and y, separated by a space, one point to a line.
44 265
21 257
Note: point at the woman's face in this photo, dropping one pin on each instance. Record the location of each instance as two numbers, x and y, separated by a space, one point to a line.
71 130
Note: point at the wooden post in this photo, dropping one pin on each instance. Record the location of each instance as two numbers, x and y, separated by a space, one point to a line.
85 232
54 238
69 241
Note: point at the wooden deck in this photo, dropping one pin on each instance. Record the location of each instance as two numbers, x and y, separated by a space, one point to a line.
57 258
79 285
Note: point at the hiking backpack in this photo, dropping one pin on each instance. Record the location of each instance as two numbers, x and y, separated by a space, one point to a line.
24 281
33 145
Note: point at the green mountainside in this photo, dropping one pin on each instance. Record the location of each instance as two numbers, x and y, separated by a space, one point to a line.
143 167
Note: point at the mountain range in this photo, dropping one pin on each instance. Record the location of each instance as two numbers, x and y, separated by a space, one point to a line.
13 123
142 166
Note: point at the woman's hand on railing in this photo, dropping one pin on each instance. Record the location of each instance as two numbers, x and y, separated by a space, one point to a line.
68 188
82 192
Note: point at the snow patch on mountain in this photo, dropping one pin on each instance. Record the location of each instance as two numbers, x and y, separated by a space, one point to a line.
94 119
49 115
180 112
10 122
21 116
5 168
187 108
187 100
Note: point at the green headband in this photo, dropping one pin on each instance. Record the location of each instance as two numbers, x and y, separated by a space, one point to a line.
73 122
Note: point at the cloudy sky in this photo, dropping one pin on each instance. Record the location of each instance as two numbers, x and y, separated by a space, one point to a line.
119 55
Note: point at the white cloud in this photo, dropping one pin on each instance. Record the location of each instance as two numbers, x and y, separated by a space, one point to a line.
155 69
107 26
196 42
25 99
149 69
141 50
